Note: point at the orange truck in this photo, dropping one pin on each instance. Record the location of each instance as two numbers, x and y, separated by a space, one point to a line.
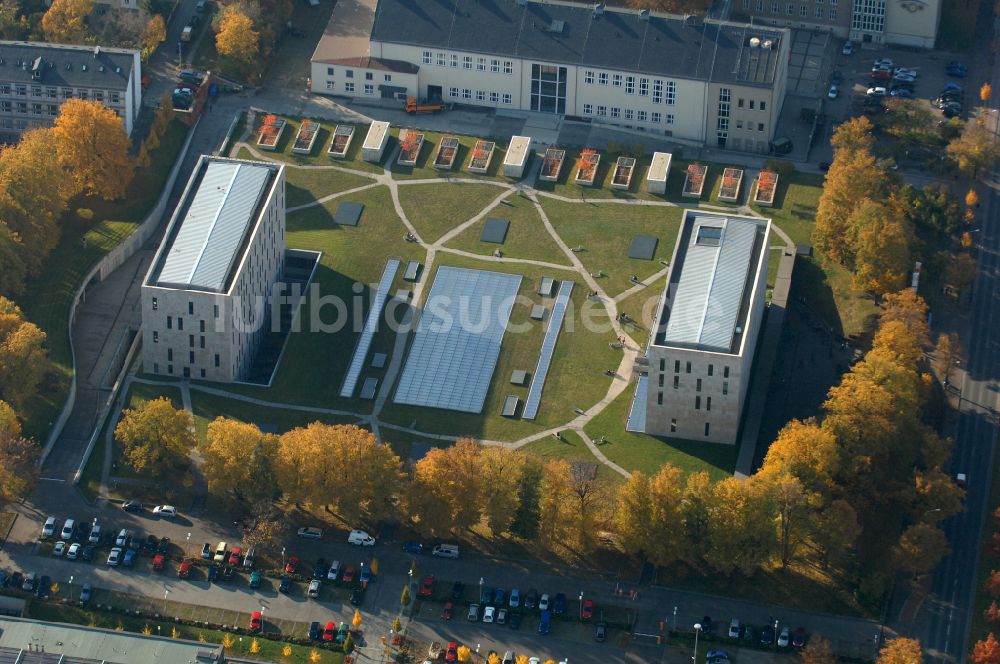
413 106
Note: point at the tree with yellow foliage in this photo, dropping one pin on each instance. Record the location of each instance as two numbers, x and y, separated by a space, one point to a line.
23 358
254 646
985 92
356 620
238 457
93 148
881 247
464 653
901 651
236 37
65 21
154 33
155 435
493 658
314 656
975 149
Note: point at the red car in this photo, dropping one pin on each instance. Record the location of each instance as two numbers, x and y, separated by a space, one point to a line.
158 561
881 74
184 570
234 556
427 586
292 565
587 610
330 633
446 612
451 654
348 575
256 621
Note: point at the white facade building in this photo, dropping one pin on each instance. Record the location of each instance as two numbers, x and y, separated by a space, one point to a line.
668 75
700 356
36 78
207 299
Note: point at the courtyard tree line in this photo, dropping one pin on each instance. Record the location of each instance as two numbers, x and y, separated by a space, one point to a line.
865 481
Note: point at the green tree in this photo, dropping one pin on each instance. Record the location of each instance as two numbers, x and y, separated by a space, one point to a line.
525 522
155 436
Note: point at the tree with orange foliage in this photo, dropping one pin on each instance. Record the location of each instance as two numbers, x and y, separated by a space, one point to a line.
992 614
993 583
93 148
986 652
64 21
236 37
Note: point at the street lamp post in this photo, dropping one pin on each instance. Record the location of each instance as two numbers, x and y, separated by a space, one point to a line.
775 633
675 619
697 631
480 589
165 593
283 558
581 605
71 589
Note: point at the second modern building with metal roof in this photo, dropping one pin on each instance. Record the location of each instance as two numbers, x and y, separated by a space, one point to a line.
697 365
700 81
207 297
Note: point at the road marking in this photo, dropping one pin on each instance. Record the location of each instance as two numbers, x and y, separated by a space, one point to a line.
52 479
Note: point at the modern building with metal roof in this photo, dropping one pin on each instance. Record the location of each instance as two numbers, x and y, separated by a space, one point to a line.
37 78
697 80
205 300
697 365
23 640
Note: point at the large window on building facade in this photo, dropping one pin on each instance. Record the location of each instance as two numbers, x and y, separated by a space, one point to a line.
548 88
868 15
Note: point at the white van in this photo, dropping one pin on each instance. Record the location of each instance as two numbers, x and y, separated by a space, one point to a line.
361 538
446 551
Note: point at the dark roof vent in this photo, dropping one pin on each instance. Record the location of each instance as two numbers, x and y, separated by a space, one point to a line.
118 70
643 14
83 67
556 26
69 66
101 68
599 9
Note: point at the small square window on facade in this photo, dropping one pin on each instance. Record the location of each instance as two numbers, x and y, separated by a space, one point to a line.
725 372
688 368
711 368
659 398
170 322
155 304
697 403
706 428
349 73
369 76
677 381
708 403
698 385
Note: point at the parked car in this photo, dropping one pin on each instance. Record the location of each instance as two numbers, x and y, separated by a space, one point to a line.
122 538
330 632
29 582
951 87
256 621
184 569
285 585
904 78
447 610
44 587
489 614
413 547
884 62
213 573
427 586
499 596
334 571
129 558
952 110
847 48
164 545
292 565
881 74
249 558
833 92
600 632
956 69
486 594
502 615
158 562
904 71
320 569
310 533
784 637
348 575
515 598
530 598
88 552
360 538
451 653
473 614
545 622
799 638
342 632
543 602
59 549
877 91
220 553
206 551
587 609
559 604
901 92
357 596
314 588
166 511
95 534
133 506
150 543
86 592
366 575
315 631
717 656
114 557
514 620
734 628
69 527
766 636
707 626
255 579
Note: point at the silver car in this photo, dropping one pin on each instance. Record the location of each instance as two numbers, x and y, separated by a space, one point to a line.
473 612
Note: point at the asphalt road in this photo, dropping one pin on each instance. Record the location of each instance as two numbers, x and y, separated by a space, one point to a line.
943 623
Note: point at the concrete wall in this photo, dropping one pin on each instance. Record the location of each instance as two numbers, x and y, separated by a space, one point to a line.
330 79
105 266
912 22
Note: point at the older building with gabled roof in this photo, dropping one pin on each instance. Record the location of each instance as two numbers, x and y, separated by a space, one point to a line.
37 78
696 370
206 299
697 80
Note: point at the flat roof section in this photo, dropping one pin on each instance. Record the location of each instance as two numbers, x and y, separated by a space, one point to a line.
371 326
455 351
517 152
206 245
710 280
494 230
659 167
534 398
376 134
348 214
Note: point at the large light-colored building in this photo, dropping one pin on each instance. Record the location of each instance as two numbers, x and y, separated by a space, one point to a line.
36 78
207 298
700 356
894 22
36 641
695 80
